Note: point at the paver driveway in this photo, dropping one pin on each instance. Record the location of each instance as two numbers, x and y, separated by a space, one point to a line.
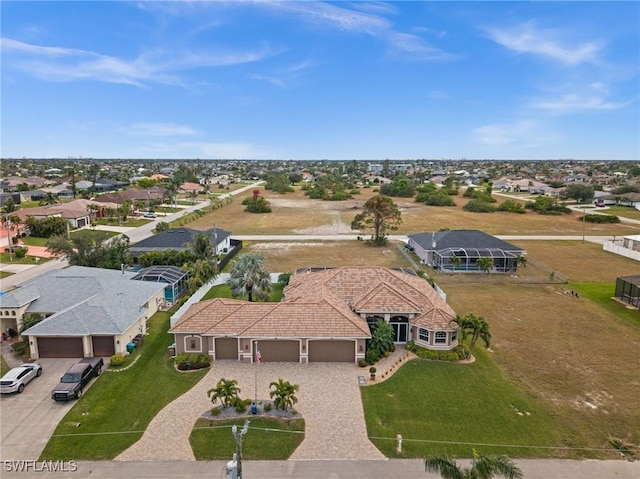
328 399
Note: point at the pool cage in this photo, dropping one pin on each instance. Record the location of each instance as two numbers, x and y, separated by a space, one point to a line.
176 279
628 290
503 261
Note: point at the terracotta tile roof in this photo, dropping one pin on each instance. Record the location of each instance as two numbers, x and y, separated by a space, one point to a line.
323 304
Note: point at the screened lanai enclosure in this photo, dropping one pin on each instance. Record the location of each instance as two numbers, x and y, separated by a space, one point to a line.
628 290
467 259
176 279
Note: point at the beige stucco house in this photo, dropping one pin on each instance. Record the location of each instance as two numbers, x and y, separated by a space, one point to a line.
325 316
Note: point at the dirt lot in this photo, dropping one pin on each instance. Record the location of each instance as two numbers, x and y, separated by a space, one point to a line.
295 213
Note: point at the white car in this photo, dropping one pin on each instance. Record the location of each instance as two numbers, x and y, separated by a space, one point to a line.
16 379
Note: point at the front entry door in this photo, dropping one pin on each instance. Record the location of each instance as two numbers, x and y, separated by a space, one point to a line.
400 327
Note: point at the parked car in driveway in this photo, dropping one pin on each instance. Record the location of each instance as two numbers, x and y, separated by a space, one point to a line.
150 215
16 379
16 247
76 378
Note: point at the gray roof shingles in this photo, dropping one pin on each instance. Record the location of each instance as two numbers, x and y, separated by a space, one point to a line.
462 239
86 301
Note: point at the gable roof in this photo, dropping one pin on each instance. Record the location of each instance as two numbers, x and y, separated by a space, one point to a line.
473 239
84 301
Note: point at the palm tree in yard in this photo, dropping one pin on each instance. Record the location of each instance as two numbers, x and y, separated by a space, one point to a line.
226 391
284 393
485 264
249 278
482 467
455 262
475 326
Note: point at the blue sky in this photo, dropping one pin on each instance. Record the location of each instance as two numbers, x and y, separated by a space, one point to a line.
321 80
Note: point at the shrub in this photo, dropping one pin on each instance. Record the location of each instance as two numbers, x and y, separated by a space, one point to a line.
596 219
215 411
372 370
267 407
478 206
117 360
372 356
411 346
424 353
362 363
20 253
186 361
511 206
21 348
241 405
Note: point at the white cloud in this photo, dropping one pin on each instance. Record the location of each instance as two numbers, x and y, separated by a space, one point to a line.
528 38
159 129
525 134
157 66
594 96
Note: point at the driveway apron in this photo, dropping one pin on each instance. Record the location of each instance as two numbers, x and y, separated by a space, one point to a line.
328 400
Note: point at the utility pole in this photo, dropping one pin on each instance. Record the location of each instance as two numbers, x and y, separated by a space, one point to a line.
237 435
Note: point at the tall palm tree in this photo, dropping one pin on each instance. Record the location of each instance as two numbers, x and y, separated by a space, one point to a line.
227 391
249 278
482 467
284 393
201 247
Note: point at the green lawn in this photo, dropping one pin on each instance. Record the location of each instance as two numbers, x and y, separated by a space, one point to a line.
3 366
96 232
120 405
601 294
34 241
4 258
223 291
130 223
447 408
213 440
4 274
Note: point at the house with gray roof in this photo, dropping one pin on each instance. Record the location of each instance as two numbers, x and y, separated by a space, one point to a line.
439 247
87 311
180 239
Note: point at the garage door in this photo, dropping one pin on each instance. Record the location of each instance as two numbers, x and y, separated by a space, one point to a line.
280 351
332 351
103 346
60 348
227 348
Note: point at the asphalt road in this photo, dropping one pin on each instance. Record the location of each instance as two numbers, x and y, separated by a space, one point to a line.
385 469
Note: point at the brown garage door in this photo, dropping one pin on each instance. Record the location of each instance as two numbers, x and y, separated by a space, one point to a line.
227 348
60 348
280 351
334 351
103 346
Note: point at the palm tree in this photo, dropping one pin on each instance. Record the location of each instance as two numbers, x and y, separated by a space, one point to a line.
248 277
482 467
521 262
382 337
226 391
455 262
284 393
485 264
201 247
49 199
477 327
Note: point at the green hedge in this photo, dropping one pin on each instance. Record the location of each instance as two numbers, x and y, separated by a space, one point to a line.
600 219
185 361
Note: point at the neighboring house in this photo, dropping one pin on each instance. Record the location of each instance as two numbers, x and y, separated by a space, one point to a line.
180 239
325 316
628 246
75 212
628 290
12 183
32 195
88 311
629 199
604 199
437 248
155 193
188 187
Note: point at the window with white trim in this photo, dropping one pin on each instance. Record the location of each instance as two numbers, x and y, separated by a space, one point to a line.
423 334
441 337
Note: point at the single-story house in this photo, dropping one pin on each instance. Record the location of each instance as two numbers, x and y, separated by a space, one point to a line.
629 199
628 290
88 311
154 193
74 212
325 316
180 239
437 248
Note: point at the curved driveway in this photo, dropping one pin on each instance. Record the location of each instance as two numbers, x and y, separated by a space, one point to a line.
328 399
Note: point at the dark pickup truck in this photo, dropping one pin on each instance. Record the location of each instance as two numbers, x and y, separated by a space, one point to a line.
76 378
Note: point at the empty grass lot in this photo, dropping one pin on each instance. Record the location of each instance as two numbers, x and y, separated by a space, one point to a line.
269 438
437 407
114 412
295 213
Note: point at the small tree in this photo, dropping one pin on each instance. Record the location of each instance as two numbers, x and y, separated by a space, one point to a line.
382 337
227 391
455 262
283 394
379 215
249 278
485 264
474 326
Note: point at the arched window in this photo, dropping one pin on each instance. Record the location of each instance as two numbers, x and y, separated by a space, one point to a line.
13 313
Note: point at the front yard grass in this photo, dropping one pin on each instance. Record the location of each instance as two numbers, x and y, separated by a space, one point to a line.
5 258
115 411
447 408
268 438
